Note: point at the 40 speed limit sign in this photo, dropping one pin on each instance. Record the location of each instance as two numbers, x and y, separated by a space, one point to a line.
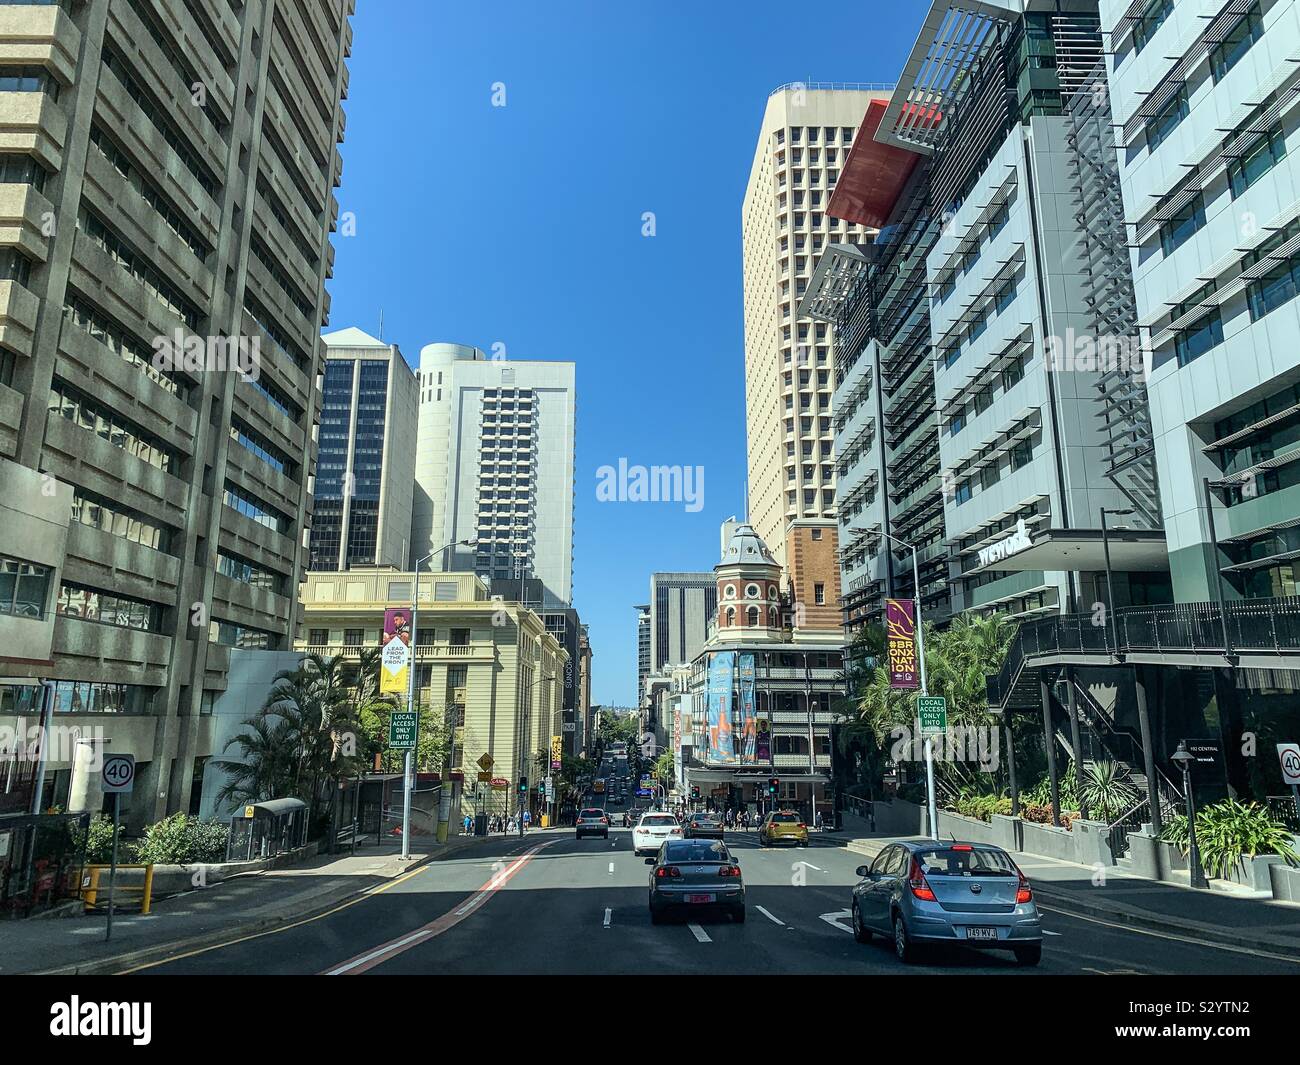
119 774
1289 755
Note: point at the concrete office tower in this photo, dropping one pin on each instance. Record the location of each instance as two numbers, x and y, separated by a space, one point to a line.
681 605
1205 98
494 463
1018 365
802 143
153 498
365 467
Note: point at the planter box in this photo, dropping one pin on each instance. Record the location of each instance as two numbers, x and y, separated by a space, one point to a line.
1092 842
1254 873
1007 832
899 817
1285 882
1049 842
964 829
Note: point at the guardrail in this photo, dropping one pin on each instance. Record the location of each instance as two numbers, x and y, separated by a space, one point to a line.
94 880
1259 626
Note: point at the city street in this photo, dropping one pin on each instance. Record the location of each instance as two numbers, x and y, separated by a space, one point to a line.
551 904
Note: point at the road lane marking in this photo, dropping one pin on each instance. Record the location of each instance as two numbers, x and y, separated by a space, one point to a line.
364 962
1047 933
608 914
809 865
836 920
699 933
611 868
768 915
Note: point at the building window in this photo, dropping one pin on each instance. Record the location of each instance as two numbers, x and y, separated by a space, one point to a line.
1198 338
100 697
1182 225
24 588
318 637
89 604
1161 125
354 637
963 492
731 616
819 594
1275 288
1256 161
817 534
1237 43
1021 455
1151 19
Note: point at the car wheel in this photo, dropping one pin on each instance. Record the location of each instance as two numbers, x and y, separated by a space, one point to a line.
860 931
1030 954
904 949
738 915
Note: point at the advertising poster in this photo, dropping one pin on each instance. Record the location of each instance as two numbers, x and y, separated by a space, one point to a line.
721 741
900 635
763 742
395 655
748 729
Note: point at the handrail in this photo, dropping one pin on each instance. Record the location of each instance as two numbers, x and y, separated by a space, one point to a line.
819 86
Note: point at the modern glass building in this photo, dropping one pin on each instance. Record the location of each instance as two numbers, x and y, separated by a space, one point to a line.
365 470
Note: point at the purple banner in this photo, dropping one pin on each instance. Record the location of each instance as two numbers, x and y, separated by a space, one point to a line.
900 634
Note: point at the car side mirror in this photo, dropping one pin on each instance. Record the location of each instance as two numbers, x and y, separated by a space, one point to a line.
649 861
864 870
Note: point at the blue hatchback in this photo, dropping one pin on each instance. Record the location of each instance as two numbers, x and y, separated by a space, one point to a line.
964 894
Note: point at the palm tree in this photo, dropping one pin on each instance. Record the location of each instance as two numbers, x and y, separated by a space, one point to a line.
267 767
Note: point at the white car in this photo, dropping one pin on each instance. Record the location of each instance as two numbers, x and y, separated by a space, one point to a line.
652 830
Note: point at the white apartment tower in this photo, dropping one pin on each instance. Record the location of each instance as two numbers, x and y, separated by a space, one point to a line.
494 464
805 136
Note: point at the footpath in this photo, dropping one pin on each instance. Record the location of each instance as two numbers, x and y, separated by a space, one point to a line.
1225 914
244 904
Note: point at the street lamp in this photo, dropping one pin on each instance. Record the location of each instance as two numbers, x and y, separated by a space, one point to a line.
1110 584
920 653
444 803
1185 758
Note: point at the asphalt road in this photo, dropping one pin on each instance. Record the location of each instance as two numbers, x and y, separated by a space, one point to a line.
551 904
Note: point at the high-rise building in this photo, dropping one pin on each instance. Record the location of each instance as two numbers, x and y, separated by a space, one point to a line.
1204 108
365 466
160 309
642 649
681 605
494 464
803 140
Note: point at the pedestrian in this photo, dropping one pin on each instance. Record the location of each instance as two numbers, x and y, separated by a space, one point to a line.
526 823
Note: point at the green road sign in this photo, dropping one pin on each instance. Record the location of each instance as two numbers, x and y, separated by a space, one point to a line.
401 729
933 712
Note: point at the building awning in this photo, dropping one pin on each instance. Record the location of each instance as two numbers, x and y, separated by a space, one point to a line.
873 175
1081 550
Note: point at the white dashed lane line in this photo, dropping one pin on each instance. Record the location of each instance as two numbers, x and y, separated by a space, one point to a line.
608 916
700 935
770 917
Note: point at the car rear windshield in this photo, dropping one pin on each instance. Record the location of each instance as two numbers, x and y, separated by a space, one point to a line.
952 861
785 819
660 821
696 851
592 813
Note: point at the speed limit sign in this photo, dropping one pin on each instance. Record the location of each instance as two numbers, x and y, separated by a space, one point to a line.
1289 754
119 774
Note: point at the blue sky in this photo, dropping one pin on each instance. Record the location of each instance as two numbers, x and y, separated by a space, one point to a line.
522 225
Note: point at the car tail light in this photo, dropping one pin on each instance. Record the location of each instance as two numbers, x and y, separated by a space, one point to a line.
674 831
666 871
801 825
604 820
961 847
729 870
920 886
1024 893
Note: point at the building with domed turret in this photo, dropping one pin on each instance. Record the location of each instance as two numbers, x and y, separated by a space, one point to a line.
757 709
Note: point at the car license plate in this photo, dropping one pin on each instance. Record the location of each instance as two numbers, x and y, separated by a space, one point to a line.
699 898
981 933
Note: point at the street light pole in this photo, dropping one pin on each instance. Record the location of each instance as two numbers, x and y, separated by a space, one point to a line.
408 762
931 802
1185 758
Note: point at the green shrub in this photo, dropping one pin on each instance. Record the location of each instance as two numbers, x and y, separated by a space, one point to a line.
182 839
99 842
1229 832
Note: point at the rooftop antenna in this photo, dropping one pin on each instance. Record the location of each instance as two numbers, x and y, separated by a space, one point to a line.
381 323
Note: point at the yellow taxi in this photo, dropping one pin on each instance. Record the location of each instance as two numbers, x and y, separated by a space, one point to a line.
783 826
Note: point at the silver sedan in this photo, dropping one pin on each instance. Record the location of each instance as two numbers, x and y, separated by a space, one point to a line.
695 874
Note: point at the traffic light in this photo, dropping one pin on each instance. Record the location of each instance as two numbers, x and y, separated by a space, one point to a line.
523 785
695 793
773 785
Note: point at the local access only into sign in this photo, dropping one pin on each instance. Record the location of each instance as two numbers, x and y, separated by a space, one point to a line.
402 728
933 712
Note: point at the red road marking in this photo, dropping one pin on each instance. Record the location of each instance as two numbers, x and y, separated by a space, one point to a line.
378 955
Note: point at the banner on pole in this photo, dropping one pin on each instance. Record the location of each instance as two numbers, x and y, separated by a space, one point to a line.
395 655
748 724
721 743
900 633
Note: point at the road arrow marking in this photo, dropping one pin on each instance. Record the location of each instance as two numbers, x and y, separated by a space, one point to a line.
699 933
837 919
764 912
809 864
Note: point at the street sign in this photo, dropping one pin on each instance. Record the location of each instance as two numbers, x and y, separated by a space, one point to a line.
486 762
500 784
402 727
933 712
1289 755
484 778
119 774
